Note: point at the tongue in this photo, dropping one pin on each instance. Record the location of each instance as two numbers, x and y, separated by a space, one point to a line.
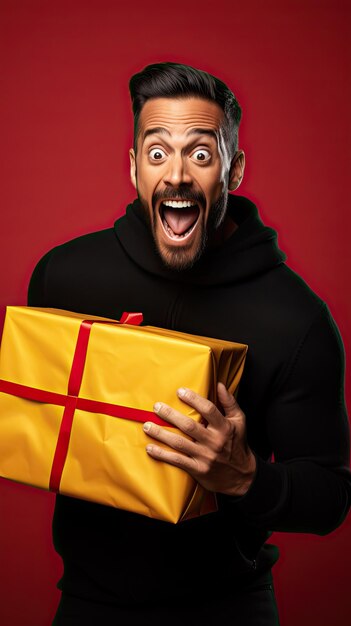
180 220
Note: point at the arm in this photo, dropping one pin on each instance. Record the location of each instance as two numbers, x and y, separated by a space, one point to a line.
307 488
36 289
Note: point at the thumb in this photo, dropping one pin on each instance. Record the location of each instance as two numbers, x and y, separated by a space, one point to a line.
228 402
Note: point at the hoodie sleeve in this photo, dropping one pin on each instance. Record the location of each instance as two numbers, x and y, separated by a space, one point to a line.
308 487
37 283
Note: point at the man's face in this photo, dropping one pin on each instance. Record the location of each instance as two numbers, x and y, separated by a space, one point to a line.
181 172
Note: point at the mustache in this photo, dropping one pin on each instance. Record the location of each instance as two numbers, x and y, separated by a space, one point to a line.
182 193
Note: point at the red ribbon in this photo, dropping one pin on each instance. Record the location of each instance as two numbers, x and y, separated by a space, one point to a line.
72 401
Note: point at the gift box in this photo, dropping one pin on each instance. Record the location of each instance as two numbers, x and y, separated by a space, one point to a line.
75 391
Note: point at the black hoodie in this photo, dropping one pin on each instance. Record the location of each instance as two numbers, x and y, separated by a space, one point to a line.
291 393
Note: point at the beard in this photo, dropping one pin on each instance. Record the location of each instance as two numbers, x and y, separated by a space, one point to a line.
180 258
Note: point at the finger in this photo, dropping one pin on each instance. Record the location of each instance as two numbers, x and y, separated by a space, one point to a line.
186 424
172 458
205 407
173 440
228 402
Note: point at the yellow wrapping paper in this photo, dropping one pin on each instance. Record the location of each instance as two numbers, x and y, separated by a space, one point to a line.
125 365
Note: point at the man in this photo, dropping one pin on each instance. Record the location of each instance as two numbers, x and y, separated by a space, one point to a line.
196 259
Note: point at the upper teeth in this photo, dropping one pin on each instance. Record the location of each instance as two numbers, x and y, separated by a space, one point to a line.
179 204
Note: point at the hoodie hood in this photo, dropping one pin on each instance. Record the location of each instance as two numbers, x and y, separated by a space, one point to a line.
251 250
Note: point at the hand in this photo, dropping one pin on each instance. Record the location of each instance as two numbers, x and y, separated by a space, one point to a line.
217 455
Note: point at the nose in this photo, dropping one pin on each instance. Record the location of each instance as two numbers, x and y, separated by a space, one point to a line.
177 172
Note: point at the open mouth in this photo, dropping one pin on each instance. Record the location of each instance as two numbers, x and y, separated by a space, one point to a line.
179 218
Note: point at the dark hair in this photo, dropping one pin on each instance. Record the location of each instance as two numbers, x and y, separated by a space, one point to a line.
173 80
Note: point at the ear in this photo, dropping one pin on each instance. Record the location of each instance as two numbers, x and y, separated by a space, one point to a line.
236 170
132 167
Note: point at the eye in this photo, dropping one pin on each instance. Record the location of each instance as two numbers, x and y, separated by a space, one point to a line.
156 154
201 155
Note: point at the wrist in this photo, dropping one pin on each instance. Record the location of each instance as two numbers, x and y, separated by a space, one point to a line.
247 476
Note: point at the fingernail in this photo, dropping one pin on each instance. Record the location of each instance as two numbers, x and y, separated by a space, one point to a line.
157 407
181 392
147 426
149 448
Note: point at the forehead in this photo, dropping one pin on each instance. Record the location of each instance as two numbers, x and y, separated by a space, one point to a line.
179 115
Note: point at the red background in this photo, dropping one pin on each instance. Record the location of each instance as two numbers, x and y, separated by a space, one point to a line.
66 126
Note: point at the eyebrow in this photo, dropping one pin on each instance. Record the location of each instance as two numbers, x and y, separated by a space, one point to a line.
160 130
